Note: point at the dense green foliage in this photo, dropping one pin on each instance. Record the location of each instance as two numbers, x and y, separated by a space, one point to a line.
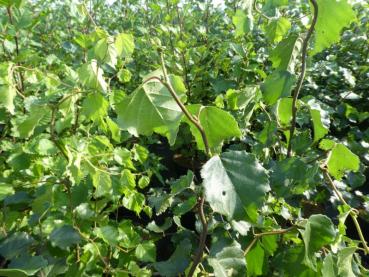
181 138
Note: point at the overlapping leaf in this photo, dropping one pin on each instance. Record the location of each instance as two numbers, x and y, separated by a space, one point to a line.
235 184
151 108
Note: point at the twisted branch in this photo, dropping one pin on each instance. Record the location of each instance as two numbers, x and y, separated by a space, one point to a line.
302 75
202 241
353 212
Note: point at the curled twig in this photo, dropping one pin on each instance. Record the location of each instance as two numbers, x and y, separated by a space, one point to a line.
302 75
353 212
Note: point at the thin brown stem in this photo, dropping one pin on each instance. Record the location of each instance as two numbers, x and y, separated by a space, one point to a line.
202 240
302 75
353 212
276 232
10 15
269 233
248 248
196 122
190 117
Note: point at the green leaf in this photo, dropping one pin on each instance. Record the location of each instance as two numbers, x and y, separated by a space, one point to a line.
320 116
243 22
339 264
134 201
105 51
341 160
24 126
277 85
277 29
7 95
15 245
182 183
153 227
333 16
285 55
129 237
235 184
292 176
329 268
345 258
143 182
229 261
270 243
146 252
28 264
289 262
124 44
255 260
64 237
114 129
284 111
109 234
151 108
84 211
218 125
178 262
124 75
327 144
12 272
240 99
95 106
185 206
267 136
270 7
91 76
319 231
102 182
5 190
7 88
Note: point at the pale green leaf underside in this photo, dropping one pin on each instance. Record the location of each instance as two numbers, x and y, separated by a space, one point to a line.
228 262
151 108
333 16
91 76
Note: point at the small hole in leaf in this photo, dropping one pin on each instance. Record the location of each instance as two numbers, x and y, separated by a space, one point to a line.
223 193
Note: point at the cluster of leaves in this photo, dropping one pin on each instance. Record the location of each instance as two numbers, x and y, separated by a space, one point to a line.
145 138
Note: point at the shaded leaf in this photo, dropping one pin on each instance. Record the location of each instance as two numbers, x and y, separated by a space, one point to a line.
319 231
178 262
64 237
277 85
